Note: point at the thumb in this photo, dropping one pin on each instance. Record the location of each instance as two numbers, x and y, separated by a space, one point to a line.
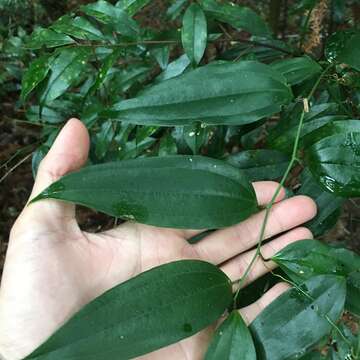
68 153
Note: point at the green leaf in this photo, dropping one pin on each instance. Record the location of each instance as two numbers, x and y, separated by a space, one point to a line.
328 205
225 93
194 33
48 38
195 136
306 258
175 68
331 128
104 139
297 70
239 17
161 54
353 293
343 47
167 146
65 71
282 136
104 70
176 191
37 157
109 14
143 314
77 27
175 9
36 73
334 160
132 6
232 341
133 149
294 322
260 164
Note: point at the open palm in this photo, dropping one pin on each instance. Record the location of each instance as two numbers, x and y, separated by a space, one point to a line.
52 268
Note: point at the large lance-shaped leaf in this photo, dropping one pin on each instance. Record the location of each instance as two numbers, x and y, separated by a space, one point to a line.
194 33
306 258
297 70
65 71
240 17
222 93
232 341
156 308
334 162
175 191
294 322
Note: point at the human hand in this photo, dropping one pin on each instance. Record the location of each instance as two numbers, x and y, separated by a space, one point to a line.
52 268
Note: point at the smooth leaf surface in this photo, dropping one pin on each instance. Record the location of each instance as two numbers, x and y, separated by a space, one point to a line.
132 6
225 93
65 70
328 205
104 70
194 33
104 139
175 68
331 128
36 73
260 164
161 54
334 163
306 258
297 319
343 47
77 27
176 191
109 14
240 17
156 308
48 38
232 341
297 70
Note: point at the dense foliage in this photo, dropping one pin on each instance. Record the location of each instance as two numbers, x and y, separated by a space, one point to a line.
190 115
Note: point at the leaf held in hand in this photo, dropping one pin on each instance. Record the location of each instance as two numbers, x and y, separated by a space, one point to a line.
176 191
156 308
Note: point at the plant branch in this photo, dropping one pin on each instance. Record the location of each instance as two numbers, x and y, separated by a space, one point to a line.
282 182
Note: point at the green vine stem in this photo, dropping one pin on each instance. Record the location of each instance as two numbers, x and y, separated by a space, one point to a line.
281 184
